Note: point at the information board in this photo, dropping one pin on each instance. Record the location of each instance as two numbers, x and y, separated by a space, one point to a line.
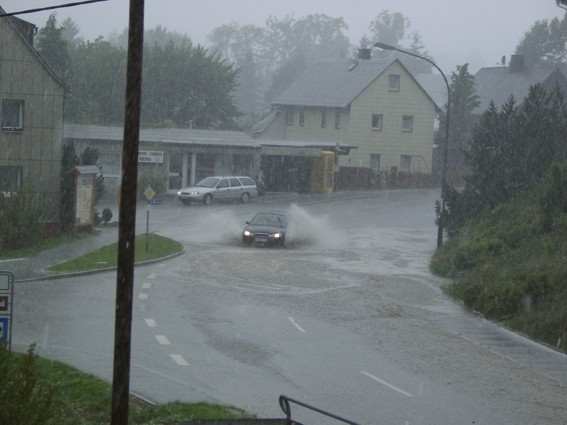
6 299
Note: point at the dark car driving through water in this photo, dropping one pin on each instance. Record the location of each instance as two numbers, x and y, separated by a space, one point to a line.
266 229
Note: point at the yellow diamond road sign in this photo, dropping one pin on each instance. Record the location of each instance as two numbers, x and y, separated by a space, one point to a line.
149 193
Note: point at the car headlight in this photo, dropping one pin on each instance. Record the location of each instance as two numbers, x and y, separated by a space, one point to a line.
277 235
194 193
178 193
247 233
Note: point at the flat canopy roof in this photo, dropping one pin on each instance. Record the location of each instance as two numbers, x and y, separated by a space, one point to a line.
304 145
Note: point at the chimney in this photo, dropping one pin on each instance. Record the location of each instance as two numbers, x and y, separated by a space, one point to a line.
516 64
363 53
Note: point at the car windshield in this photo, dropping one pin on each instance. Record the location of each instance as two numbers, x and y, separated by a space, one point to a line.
209 182
275 220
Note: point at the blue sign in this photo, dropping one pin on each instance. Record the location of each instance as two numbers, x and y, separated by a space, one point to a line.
4 330
156 202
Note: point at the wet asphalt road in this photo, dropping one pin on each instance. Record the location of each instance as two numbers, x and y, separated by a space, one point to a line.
346 318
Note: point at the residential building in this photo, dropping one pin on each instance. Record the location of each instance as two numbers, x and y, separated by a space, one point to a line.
375 107
497 84
31 110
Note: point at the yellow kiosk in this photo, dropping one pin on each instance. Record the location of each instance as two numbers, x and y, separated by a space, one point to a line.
323 172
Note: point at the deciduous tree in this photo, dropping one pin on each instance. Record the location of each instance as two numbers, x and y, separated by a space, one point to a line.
545 44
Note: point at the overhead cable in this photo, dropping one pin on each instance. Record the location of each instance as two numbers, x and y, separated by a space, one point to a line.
42 9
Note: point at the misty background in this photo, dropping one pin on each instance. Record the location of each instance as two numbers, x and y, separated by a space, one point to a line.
454 32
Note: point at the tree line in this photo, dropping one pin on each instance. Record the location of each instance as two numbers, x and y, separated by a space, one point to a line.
510 150
240 73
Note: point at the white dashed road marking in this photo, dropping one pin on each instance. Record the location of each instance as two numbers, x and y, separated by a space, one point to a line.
387 384
151 323
143 296
179 360
162 340
147 285
299 328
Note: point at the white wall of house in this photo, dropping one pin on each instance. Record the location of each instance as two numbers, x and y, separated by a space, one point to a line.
390 141
390 145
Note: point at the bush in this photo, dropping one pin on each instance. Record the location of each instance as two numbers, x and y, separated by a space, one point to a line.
106 215
23 401
20 215
502 297
552 197
478 252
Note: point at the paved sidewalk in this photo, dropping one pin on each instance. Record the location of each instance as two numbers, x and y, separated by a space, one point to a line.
34 267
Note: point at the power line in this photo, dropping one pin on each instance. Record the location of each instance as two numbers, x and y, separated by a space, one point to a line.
42 9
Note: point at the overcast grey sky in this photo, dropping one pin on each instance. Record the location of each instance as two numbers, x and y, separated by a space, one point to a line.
454 32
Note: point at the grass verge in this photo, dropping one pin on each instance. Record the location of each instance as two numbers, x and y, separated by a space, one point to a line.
39 391
44 244
510 268
148 247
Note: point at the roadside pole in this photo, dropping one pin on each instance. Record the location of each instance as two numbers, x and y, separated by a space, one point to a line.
127 218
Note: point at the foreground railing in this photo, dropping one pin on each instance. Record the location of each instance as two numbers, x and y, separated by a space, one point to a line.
286 408
284 404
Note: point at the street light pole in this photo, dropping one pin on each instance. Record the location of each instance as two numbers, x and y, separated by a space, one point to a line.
442 214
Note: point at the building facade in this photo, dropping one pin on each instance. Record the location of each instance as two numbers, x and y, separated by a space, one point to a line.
168 158
375 106
31 110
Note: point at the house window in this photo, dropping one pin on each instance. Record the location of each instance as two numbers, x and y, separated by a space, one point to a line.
377 121
12 115
405 163
375 162
337 119
407 123
289 116
394 82
302 117
10 179
323 118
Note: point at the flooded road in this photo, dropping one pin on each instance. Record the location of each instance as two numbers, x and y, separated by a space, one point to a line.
347 318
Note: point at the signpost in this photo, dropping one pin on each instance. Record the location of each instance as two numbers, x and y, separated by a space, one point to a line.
6 300
149 194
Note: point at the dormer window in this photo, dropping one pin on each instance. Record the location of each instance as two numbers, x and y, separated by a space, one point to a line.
394 82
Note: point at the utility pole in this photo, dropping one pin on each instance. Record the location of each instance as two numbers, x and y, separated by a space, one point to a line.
127 217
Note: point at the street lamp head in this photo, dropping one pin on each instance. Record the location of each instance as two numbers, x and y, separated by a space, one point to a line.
383 46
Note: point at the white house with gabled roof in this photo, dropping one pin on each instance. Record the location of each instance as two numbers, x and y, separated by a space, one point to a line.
375 105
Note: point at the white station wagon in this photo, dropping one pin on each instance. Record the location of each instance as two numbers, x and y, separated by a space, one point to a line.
219 188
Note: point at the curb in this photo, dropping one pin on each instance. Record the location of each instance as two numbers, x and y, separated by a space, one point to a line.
93 271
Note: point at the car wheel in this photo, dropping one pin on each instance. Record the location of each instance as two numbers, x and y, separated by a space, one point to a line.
185 201
245 198
208 199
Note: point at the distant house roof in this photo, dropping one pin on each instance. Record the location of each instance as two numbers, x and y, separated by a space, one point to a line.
162 135
497 84
334 83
